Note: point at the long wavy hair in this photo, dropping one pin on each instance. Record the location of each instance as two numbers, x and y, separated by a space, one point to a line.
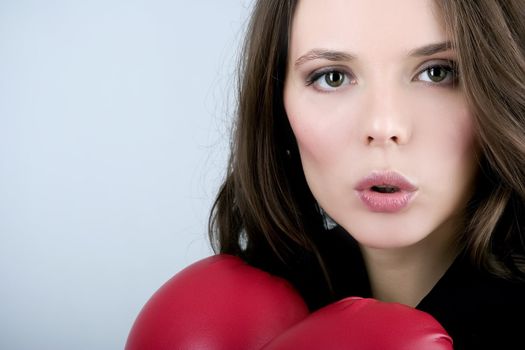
264 211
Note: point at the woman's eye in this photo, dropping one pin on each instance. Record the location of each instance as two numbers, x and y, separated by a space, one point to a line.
439 74
329 80
334 79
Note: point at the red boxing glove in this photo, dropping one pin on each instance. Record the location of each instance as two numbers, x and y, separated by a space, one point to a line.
365 324
217 303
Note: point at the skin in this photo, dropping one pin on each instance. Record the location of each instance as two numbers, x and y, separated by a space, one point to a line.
383 108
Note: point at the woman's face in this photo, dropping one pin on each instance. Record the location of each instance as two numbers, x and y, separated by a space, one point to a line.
385 135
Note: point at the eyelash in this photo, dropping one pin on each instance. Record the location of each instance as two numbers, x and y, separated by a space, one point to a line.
450 68
315 76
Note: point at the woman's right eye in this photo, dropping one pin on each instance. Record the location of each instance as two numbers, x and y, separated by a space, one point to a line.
329 80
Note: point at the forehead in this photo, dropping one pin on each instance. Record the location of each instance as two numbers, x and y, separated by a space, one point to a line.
370 26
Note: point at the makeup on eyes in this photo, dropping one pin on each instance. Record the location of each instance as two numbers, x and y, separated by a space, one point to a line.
439 72
332 73
448 66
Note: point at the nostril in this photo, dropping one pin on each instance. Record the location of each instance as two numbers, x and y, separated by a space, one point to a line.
394 139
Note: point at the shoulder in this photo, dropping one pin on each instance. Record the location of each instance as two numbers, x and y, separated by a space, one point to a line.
495 316
479 310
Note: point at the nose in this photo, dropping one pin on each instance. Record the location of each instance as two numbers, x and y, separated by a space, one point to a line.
386 119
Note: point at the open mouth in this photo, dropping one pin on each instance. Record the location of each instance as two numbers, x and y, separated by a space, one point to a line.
385 189
385 192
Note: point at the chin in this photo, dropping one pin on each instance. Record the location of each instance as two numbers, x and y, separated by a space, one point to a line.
385 242
380 235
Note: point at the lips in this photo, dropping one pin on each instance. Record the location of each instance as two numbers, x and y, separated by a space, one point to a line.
386 192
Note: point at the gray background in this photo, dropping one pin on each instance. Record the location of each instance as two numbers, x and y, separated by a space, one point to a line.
114 126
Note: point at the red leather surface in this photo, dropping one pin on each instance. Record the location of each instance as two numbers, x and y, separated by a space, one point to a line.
217 303
365 324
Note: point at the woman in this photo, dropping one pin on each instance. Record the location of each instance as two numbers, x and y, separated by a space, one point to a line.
379 151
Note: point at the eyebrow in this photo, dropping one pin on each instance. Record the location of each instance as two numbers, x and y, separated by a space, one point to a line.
431 49
330 55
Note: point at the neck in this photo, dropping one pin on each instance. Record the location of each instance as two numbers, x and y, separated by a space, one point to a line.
406 275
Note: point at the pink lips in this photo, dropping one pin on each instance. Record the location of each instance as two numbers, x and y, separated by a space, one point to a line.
385 192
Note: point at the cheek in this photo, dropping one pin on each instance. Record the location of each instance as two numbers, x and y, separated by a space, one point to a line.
313 138
324 134
321 132
455 129
448 149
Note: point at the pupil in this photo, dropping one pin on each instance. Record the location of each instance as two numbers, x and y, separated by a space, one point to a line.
334 79
437 74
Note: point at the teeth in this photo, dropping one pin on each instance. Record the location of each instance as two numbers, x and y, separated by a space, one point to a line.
385 189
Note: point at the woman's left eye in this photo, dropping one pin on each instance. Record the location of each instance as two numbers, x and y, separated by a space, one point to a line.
441 74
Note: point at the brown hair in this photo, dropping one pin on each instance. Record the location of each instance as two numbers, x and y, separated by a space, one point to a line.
489 37
264 207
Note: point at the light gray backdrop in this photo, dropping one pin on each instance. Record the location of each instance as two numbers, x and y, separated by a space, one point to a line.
114 125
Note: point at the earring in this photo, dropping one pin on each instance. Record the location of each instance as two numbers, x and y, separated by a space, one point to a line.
328 222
